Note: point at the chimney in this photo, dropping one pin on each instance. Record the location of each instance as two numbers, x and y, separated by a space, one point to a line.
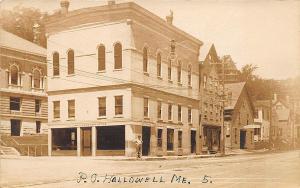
64 5
111 2
169 18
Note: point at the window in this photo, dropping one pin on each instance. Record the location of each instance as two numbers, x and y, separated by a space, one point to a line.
158 61
159 109
235 135
170 70
159 138
36 79
14 75
179 72
189 115
55 64
70 62
37 106
101 58
170 139
190 75
179 139
204 81
118 55
15 103
56 109
145 59
170 112
102 106
118 105
38 127
71 108
146 107
179 113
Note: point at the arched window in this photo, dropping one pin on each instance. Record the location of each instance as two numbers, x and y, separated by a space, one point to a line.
55 64
145 59
118 55
190 75
158 61
14 75
71 62
179 72
101 58
36 79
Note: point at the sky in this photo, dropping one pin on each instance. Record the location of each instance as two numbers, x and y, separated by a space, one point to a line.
265 33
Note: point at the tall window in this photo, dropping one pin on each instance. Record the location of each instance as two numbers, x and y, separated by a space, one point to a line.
190 75
159 138
15 103
36 79
71 108
179 139
146 107
170 70
204 81
56 109
179 113
101 58
170 112
170 139
118 105
55 63
159 109
14 75
71 62
102 106
37 126
179 72
37 106
189 115
118 55
158 61
145 59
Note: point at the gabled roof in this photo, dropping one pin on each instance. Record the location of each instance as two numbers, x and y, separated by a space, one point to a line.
265 103
236 90
14 42
204 50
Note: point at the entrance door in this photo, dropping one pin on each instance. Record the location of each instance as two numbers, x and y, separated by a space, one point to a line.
242 139
86 141
193 141
146 132
15 127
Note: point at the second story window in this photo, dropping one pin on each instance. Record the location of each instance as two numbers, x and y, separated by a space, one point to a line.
102 106
179 72
101 58
189 115
56 109
146 107
71 108
36 79
71 62
14 75
170 112
145 59
170 70
158 61
37 106
15 103
55 64
118 105
159 109
118 56
190 75
179 113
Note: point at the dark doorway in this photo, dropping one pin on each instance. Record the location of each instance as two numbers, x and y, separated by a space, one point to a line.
193 141
86 141
146 132
242 139
111 137
15 127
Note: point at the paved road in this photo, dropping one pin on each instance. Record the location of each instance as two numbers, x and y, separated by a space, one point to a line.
250 171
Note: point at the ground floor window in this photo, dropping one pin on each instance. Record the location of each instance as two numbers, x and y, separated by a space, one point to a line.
64 139
179 139
38 126
211 137
170 139
15 127
111 137
159 138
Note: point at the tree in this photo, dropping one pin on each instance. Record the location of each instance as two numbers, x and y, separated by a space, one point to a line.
247 72
20 21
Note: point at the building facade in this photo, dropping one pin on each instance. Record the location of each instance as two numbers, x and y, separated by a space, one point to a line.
262 118
23 75
129 73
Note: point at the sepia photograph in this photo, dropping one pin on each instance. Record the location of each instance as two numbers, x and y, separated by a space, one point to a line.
150 93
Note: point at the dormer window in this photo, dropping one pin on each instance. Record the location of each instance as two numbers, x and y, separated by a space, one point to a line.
71 61
118 56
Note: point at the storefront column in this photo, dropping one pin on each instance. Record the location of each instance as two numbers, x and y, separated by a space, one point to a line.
94 141
49 142
78 142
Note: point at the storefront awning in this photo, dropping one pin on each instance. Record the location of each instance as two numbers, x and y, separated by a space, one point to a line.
252 126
